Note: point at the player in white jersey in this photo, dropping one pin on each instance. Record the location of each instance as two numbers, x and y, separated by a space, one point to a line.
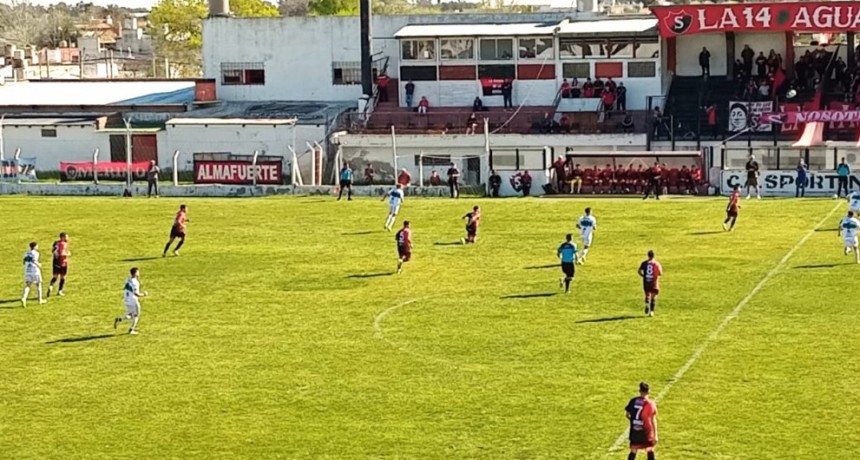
395 198
32 273
848 228
854 203
586 224
131 298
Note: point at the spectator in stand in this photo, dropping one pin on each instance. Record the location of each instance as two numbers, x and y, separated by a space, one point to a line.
423 105
800 180
705 61
576 179
382 85
588 88
472 124
522 181
608 100
621 96
564 123
773 60
565 88
711 115
740 75
611 86
657 120
748 55
152 179
507 93
368 174
435 179
410 93
761 64
478 105
454 181
495 184
404 178
575 90
843 171
558 173
764 91
627 123
598 87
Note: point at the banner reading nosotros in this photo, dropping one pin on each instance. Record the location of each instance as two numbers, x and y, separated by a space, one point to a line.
783 182
237 172
83 170
762 17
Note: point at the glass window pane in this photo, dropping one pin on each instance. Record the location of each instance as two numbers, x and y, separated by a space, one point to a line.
619 48
576 70
645 69
457 48
505 48
406 50
488 49
647 50
536 48
504 161
427 50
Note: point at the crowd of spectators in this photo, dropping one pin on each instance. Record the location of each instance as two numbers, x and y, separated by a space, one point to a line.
612 95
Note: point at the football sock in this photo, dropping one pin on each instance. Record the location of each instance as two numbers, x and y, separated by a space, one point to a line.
62 283
27 292
734 219
651 456
653 303
567 284
53 280
727 220
181 242
631 456
584 253
134 320
647 304
39 289
166 247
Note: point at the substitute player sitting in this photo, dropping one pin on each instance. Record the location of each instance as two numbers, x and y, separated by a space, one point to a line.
177 231
404 245
848 229
567 254
586 224
650 271
395 197
473 220
32 273
642 413
131 298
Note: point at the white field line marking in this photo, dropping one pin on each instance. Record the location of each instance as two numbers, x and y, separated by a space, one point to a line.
734 314
378 332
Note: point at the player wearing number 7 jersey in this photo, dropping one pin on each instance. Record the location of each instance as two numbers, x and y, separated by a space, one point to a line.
650 271
642 414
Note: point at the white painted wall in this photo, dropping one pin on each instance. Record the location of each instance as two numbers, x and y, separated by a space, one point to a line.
460 93
535 92
688 49
73 143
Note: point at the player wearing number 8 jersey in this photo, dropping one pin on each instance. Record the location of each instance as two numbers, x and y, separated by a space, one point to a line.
650 271
642 414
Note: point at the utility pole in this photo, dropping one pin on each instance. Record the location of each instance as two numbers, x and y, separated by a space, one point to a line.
366 58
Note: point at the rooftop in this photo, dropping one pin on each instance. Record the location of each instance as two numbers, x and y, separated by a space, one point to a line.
305 113
92 93
565 27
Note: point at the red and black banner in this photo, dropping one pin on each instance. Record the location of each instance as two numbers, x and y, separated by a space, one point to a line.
83 170
238 172
679 20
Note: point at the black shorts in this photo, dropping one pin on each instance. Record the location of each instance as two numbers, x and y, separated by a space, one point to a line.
733 212
176 232
650 287
641 439
404 253
568 269
471 230
751 181
345 183
60 270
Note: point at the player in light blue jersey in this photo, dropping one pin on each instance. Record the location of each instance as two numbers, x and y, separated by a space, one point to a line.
395 197
848 229
567 254
586 224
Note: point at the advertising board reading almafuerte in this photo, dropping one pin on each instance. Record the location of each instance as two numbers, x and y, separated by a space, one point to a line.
764 17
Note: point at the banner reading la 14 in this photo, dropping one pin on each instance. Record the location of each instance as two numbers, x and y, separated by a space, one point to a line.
237 172
784 182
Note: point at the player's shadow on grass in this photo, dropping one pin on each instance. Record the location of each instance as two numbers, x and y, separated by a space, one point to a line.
541 267
366 232
712 232
8 301
369 275
529 296
608 319
448 243
82 339
139 259
812 267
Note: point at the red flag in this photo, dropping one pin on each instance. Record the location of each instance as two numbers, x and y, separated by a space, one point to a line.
778 79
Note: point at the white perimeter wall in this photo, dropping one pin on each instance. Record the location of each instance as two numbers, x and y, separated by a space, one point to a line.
73 143
687 49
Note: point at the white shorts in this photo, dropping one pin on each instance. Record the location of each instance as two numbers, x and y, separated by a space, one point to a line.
850 242
586 238
393 209
33 278
132 308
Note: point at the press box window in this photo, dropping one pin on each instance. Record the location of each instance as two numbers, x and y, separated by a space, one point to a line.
647 69
248 73
497 49
49 132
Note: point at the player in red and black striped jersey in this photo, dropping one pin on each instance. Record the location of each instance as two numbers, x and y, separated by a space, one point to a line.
473 220
61 254
650 271
404 245
732 209
642 414
177 231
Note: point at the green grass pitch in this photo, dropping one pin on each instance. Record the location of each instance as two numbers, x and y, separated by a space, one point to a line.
280 333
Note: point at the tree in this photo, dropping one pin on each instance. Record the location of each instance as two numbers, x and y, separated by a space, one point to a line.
334 7
177 28
294 7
